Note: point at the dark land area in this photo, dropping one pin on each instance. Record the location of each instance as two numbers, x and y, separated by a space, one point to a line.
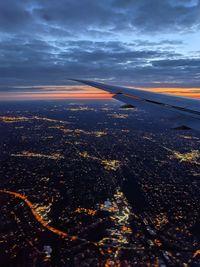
87 183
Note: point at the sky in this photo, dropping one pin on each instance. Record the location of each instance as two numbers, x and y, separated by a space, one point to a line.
140 43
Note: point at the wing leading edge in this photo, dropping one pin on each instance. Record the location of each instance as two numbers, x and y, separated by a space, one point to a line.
181 111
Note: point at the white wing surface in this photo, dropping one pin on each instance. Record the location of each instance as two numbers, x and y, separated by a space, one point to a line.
182 111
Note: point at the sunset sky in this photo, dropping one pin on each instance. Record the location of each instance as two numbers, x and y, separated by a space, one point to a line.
81 92
141 43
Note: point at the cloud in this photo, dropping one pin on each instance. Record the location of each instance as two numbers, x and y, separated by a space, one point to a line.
155 15
99 16
40 62
13 16
46 42
177 63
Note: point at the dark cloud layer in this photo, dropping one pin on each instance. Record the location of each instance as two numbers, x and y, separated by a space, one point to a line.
45 42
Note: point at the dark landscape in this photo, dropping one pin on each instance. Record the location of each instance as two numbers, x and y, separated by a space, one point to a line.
88 183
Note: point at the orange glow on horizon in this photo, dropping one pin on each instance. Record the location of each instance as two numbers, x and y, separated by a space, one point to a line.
45 92
186 92
55 95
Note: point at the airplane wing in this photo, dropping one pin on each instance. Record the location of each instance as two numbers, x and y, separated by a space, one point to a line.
183 112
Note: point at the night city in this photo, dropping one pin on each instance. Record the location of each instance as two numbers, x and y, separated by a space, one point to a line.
99 133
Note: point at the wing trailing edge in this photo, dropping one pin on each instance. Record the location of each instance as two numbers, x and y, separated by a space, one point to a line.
185 112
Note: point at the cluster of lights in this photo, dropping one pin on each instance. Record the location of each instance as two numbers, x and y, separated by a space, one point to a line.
109 165
80 109
12 119
28 154
119 116
192 156
86 211
119 212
